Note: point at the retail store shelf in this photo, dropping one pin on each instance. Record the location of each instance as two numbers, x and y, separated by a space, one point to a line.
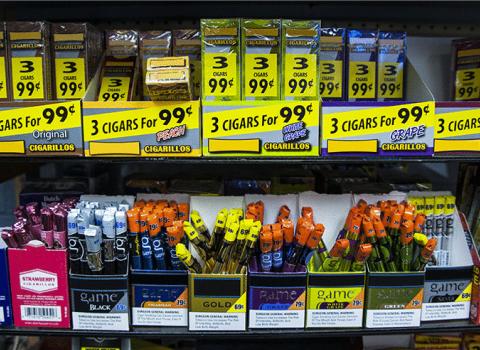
239 160
180 332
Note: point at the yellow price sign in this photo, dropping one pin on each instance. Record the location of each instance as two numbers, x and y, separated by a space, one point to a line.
390 80
361 80
27 78
467 84
70 78
457 131
331 79
300 75
220 74
261 76
52 128
114 89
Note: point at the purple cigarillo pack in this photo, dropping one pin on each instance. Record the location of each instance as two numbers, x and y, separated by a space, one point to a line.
362 51
392 47
332 64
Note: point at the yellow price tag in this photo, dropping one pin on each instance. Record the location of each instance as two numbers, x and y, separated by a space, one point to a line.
3 79
261 78
467 84
300 75
27 78
331 79
390 80
361 80
114 89
220 74
70 78
457 131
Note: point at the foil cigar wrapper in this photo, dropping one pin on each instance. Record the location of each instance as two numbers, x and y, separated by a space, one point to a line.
21 232
93 237
9 239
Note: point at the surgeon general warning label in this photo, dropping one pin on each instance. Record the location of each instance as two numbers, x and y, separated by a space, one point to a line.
41 129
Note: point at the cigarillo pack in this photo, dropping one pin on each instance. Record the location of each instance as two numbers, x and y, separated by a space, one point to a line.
118 79
301 45
77 50
261 59
332 64
39 286
391 66
30 54
187 42
466 70
221 59
362 51
153 44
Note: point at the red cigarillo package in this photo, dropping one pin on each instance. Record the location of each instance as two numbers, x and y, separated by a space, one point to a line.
39 286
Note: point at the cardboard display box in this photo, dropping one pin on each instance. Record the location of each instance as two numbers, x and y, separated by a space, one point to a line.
334 299
276 299
160 298
100 302
6 318
218 302
448 289
381 129
393 299
39 286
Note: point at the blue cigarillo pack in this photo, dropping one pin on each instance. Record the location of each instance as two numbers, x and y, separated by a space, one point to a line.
362 65
392 47
332 64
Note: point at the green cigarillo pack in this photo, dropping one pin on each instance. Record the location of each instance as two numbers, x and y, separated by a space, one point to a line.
300 50
332 64
391 66
362 50
221 59
153 44
261 57
186 42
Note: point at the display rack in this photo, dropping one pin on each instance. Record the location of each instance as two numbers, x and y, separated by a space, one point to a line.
179 332
286 161
443 19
